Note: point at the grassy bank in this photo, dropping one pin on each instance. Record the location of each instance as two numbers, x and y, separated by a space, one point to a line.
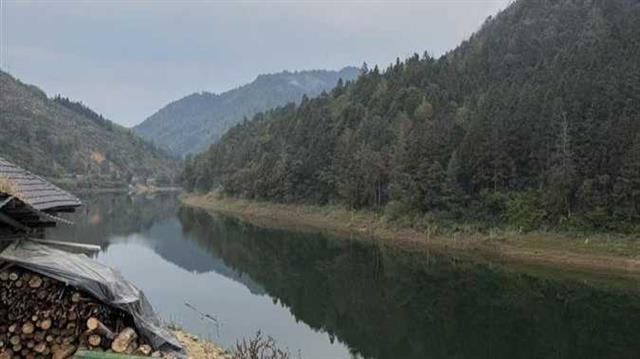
604 254
198 348
255 347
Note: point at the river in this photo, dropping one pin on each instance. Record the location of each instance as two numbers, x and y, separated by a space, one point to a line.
323 297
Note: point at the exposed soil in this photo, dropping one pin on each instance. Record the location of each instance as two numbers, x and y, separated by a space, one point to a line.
200 349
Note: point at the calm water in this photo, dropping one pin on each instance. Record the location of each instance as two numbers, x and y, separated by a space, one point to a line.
323 297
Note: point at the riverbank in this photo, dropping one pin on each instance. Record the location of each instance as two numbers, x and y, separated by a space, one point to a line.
198 348
602 254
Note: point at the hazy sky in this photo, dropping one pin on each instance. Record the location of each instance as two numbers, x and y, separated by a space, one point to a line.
126 59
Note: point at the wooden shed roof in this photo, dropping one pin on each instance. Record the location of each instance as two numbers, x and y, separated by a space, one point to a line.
33 190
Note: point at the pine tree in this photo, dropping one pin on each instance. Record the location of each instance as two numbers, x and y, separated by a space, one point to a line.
630 178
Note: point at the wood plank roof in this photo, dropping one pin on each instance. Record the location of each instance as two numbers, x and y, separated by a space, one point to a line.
35 191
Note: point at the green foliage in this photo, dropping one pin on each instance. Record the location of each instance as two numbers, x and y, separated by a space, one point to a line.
258 347
192 123
71 144
524 211
80 108
396 210
532 122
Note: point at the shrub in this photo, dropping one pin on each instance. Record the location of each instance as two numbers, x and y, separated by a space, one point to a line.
259 347
524 211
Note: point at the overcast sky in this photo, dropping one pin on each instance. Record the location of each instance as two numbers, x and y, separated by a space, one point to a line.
128 59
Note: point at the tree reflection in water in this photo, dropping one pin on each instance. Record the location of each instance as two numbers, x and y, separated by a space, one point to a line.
389 303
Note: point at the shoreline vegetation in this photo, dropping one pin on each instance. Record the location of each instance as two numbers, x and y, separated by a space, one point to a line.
510 129
258 346
602 255
198 348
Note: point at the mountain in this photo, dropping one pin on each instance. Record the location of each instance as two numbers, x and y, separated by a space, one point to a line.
192 123
71 144
532 122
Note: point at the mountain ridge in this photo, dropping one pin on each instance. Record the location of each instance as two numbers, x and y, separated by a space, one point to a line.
71 144
190 124
532 122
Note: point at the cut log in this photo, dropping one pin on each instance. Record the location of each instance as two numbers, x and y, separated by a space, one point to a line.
96 326
28 328
39 336
122 341
40 347
133 346
14 340
45 324
35 282
75 297
69 340
144 349
94 340
64 351
44 318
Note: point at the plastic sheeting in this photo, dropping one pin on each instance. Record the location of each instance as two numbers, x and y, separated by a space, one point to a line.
106 284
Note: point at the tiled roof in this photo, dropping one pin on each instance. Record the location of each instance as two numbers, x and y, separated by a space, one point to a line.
34 190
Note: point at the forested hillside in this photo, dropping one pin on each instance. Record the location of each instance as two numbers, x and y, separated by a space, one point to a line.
533 122
191 124
71 144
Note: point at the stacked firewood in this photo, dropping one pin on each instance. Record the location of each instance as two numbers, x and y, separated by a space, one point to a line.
43 318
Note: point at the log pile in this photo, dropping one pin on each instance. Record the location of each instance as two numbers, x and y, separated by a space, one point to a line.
43 318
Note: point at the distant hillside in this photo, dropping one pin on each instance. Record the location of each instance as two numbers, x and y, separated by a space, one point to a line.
192 123
69 143
532 122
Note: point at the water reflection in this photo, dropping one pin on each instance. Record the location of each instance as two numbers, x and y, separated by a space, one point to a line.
144 239
386 303
104 217
109 219
336 298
